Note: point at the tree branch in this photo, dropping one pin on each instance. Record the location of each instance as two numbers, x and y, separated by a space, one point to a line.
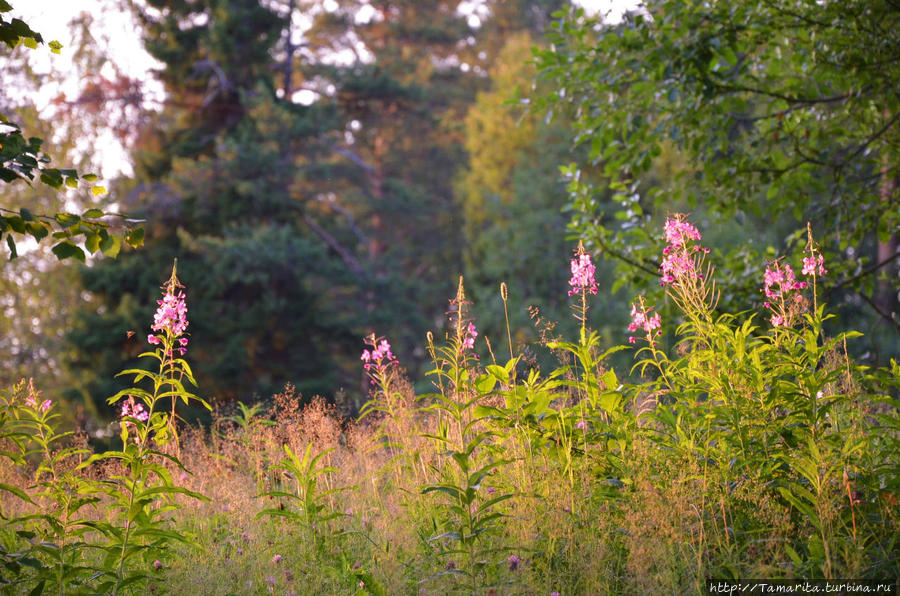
886 316
864 272
332 242
787 98
870 140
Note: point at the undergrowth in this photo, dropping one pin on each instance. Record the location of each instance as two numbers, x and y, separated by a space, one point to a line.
754 446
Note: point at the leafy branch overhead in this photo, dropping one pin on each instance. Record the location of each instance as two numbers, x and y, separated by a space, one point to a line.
21 159
782 111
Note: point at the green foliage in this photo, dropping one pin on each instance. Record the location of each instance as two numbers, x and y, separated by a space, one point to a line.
775 114
60 547
510 197
21 159
738 450
309 507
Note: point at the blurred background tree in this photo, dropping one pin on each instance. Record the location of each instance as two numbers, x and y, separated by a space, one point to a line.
303 170
324 170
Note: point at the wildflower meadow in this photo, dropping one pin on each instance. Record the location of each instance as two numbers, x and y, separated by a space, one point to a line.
738 445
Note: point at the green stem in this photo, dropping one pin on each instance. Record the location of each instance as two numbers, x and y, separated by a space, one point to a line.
121 565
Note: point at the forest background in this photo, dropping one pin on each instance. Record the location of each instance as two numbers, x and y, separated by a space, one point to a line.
326 170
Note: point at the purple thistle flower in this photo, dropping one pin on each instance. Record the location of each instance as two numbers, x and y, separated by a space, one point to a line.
513 562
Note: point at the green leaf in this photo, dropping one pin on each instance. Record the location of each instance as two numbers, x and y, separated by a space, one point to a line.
111 245
92 213
12 247
52 178
92 243
66 249
16 491
135 238
484 384
67 220
16 223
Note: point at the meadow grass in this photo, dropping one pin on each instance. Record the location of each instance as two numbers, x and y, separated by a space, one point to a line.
753 450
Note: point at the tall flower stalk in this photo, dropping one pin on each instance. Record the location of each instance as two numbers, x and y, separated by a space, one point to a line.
684 271
145 428
582 283
813 265
170 326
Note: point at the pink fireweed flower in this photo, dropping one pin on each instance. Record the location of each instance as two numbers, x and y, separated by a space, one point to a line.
781 287
134 410
814 266
582 280
780 281
170 320
678 231
380 357
679 256
642 319
171 314
676 266
469 339
31 402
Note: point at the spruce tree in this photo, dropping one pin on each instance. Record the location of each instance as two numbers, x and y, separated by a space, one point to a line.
223 178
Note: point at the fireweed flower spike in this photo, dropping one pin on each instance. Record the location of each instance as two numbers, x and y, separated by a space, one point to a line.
683 271
814 264
582 283
462 326
642 319
780 286
469 339
130 409
379 358
582 280
678 264
170 321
